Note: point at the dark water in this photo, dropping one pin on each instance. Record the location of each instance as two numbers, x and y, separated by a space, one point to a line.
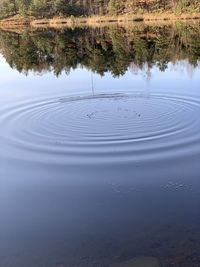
100 147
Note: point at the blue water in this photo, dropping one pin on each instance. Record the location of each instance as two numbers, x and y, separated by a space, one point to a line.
99 170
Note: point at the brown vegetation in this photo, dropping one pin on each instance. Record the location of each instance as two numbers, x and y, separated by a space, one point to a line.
16 21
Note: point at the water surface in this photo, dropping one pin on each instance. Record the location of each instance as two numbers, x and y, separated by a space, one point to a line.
100 146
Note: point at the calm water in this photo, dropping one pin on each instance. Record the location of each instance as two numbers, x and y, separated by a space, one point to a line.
100 147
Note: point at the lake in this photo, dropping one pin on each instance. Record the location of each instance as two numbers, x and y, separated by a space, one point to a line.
100 146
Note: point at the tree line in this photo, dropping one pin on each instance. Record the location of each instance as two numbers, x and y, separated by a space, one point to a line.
49 8
101 50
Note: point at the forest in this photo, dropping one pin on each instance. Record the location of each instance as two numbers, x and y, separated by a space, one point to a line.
51 8
101 50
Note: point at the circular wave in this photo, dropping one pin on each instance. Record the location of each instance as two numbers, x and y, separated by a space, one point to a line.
105 127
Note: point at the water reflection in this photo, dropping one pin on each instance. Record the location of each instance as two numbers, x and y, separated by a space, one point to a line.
107 49
99 177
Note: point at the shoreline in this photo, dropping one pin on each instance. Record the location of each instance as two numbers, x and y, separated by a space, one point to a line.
16 21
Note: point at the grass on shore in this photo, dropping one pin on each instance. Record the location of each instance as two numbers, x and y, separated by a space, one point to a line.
16 21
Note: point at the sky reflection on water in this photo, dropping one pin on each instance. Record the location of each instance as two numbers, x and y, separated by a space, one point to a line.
104 180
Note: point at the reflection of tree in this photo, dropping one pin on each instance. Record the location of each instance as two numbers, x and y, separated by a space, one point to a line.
110 49
162 51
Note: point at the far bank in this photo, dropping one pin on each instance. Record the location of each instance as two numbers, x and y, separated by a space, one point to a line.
17 21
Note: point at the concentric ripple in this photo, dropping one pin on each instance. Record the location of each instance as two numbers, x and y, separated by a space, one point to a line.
101 128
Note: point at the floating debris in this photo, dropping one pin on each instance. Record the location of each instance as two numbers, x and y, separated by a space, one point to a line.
96 96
